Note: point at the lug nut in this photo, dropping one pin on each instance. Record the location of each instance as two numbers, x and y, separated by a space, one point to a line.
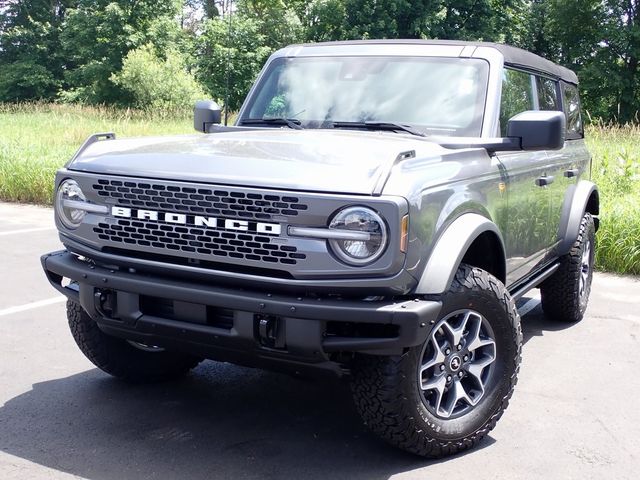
442 368
466 358
448 378
447 351
459 347
460 374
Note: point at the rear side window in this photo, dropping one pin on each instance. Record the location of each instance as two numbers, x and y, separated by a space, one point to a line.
547 94
571 104
517 96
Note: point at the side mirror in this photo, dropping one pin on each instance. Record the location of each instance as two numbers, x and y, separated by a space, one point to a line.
538 129
206 113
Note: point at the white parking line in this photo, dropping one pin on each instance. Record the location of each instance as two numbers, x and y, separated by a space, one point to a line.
27 230
31 305
527 307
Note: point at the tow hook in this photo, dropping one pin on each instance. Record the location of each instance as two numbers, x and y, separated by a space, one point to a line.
270 331
105 302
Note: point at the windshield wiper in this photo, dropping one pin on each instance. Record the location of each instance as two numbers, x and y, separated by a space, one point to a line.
380 126
289 122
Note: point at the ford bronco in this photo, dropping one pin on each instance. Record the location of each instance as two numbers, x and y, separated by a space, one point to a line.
374 213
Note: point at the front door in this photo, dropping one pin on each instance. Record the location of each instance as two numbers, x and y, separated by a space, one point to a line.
527 186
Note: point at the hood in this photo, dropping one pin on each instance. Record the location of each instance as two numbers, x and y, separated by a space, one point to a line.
338 161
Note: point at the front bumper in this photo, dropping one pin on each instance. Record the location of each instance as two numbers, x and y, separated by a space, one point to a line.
250 327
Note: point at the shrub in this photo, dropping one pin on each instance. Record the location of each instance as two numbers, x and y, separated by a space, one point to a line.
156 83
26 79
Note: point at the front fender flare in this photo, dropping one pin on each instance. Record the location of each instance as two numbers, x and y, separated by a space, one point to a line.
449 250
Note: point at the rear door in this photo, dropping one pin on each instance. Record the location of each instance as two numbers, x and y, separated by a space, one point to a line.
572 162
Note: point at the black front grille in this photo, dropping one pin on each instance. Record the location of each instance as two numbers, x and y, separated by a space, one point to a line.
198 201
184 240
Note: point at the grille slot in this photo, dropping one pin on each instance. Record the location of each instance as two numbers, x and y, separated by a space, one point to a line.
184 240
198 201
187 312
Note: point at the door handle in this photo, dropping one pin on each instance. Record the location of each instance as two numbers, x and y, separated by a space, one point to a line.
572 172
544 180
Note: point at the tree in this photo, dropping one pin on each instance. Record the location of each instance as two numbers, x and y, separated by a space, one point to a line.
620 49
157 83
73 48
98 34
600 40
232 60
30 61
277 23
232 49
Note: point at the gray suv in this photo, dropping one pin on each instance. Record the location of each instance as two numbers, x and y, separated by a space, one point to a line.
374 213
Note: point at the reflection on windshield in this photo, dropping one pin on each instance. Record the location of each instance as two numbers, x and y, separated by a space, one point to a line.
443 96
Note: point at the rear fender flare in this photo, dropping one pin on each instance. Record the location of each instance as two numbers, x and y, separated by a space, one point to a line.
574 207
450 249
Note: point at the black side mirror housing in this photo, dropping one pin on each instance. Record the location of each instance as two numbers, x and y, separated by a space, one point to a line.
205 114
538 129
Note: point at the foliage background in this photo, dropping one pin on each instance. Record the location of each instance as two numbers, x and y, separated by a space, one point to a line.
69 68
75 50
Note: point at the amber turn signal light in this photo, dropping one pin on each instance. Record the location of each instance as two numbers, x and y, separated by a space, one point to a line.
404 234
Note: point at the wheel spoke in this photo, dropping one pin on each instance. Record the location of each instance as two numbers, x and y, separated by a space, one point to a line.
473 337
585 269
476 369
586 255
456 394
465 320
474 340
439 357
481 342
436 384
455 334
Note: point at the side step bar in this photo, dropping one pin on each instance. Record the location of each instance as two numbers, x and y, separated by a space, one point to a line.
533 282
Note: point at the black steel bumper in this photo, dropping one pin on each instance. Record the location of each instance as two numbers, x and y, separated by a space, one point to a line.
258 328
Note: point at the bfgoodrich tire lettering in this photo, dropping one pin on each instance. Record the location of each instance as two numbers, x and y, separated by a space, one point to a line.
565 295
390 400
119 358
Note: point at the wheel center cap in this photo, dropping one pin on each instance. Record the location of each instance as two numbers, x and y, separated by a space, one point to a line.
455 363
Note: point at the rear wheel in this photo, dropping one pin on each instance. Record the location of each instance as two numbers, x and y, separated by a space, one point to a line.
132 361
444 396
565 295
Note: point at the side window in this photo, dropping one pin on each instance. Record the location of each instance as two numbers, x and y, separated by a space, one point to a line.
517 96
571 104
547 94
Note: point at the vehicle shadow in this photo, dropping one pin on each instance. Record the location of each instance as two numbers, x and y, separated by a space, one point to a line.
535 323
223 421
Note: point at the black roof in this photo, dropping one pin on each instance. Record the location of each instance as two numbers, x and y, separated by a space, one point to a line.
513 56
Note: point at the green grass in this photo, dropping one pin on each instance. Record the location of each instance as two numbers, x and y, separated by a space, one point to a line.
36 139
616 170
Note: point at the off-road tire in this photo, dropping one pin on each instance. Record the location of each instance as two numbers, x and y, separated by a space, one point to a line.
388 397
560 294
119 358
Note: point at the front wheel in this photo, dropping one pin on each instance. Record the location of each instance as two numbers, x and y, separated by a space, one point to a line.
444 396
128 360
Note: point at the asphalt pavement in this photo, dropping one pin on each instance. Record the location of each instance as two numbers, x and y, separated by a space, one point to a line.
574 414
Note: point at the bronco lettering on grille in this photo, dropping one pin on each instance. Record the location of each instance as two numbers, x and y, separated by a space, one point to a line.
198 220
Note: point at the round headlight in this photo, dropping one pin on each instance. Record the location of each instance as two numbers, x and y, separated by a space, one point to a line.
368 234
69 193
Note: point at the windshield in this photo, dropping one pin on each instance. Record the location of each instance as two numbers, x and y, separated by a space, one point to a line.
438 96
